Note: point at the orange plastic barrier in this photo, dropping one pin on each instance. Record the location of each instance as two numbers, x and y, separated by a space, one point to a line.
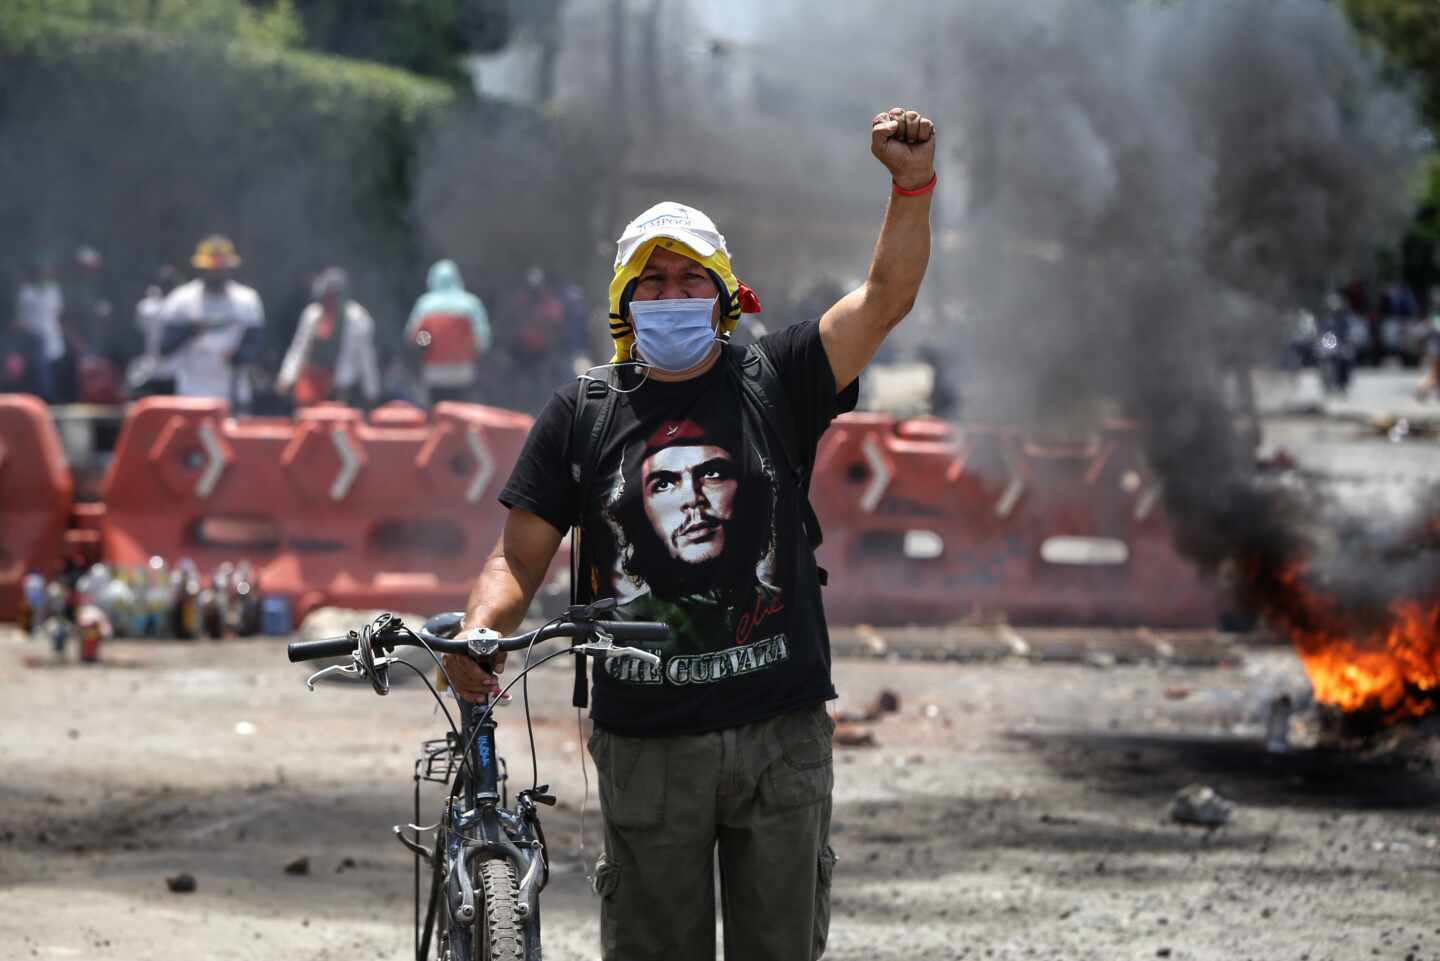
925 522
35 495
396 512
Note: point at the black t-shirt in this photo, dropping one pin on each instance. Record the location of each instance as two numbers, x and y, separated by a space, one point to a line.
694 520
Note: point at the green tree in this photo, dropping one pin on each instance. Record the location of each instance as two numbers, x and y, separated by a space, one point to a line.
430 37
1409 32
275 23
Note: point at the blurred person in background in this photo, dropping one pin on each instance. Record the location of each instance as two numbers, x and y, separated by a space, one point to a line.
151 373
1396 314
38 306
1341 342
452 328
87 312
206 322
577 323
539 339
1430 361
99 348
23 368
332 356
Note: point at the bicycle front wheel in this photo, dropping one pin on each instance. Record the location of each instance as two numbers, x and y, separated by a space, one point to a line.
501 932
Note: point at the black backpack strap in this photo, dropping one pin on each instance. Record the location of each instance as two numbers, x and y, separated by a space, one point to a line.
764 395
594 407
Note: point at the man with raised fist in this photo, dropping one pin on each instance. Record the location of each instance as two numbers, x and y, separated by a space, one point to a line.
705 450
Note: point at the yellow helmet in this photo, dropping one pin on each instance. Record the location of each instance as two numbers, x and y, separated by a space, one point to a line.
215 252
685 231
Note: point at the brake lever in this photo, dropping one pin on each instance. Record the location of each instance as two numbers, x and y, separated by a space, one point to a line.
604 645
352 669
652 659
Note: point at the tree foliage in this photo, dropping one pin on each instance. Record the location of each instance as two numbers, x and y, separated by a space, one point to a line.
138 142
1409 32
429 37
274 23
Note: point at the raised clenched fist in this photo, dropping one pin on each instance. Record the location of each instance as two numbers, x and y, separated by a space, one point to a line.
904 142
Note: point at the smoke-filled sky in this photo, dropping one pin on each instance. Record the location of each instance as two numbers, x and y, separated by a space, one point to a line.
1133 198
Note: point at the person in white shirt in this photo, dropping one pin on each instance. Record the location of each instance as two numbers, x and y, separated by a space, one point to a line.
333 353
151 373
205 322
38 305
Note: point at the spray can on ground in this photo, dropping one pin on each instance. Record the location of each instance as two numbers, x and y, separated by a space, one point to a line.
246 601
118 602
275 619
94 629
57 631
32 602
53 625
224 591
185 612
157 598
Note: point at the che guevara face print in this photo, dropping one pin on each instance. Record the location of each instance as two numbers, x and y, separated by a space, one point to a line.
690 514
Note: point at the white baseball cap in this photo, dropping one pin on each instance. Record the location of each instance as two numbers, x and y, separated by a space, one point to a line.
676 221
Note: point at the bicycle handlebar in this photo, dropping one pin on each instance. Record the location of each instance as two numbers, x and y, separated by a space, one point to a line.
485 646
321 647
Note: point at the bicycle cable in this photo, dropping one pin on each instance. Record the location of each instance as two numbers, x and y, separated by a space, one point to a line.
526 668
584 799
465 761
529 725
433 693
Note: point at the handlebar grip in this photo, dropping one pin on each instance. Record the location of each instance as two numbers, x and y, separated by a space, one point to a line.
634 631
322 647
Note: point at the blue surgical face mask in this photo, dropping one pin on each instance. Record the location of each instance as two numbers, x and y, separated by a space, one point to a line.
673 335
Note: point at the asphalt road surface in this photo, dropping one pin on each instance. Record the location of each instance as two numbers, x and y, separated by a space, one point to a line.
1014 807
1009 809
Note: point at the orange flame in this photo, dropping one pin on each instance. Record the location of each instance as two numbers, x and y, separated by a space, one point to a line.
1392 670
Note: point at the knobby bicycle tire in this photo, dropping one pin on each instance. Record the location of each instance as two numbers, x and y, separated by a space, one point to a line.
502 935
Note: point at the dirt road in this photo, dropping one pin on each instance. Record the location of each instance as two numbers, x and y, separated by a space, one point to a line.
1011 810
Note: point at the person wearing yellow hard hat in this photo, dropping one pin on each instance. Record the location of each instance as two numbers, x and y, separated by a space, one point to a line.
681 469
208 323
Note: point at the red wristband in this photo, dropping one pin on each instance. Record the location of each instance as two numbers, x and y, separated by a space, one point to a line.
918 191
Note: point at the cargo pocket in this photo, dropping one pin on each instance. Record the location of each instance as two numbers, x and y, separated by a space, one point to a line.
824 869
607 876
803 774
632 778
607 883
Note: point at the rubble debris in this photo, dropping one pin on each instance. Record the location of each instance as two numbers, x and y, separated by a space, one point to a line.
874 642
1100 660
1199 804
181 883
885 702
300 865
853 735
1278 460
346 863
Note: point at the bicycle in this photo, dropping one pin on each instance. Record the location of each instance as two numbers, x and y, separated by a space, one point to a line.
488 861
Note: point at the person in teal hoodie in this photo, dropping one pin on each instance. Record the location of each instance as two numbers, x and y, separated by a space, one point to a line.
452 327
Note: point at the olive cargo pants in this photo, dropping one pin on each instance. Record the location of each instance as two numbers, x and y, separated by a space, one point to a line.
760 794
